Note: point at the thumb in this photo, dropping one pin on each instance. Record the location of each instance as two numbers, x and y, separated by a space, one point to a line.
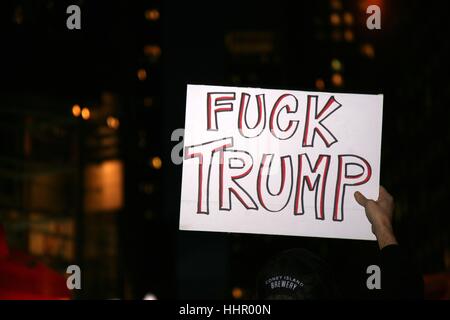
360 198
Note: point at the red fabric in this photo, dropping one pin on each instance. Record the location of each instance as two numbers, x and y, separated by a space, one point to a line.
22 277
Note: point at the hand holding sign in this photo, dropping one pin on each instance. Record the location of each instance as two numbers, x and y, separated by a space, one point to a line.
277 162
379 214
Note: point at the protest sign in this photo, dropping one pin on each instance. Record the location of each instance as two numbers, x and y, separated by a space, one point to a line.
279 161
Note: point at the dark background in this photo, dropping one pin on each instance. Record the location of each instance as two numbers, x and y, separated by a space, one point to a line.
45 69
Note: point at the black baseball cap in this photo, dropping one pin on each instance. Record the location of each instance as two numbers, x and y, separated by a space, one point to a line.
296 274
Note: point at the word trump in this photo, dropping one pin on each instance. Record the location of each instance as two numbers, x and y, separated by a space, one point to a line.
297 174
251 152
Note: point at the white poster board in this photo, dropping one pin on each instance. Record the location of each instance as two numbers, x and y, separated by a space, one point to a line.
279 161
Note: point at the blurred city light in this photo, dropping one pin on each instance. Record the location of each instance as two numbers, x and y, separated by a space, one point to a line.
349 36
368 50
335 19
142 74
336 4
336 65
156 163
320 84
104 186
76 110
152 51
112 122
237 293
348 18
337 80
150 296
152 14
85 113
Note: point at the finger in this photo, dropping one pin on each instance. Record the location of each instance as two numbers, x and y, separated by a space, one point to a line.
384 194
362 200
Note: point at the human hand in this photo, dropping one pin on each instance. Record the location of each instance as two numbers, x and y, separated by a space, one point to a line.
380 214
